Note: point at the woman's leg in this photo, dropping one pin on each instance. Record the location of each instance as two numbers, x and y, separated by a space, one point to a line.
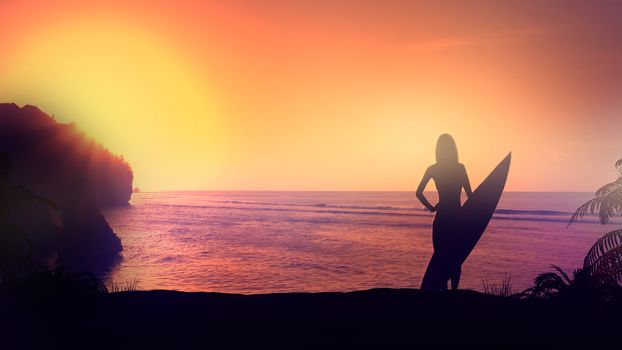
455 278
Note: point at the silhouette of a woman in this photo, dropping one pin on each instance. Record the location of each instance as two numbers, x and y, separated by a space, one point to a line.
450 178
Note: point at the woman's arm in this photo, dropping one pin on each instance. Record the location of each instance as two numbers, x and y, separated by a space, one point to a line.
466 184
424 181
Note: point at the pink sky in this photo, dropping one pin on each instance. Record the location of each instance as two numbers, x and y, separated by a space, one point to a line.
308 95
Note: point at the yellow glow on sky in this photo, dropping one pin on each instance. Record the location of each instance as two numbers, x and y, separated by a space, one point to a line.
287 95
128 90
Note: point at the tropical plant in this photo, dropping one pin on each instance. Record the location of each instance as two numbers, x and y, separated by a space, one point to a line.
607 201
604 260
601 273
559 283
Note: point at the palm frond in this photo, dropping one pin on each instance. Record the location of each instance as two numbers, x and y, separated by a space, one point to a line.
619 165
548 284
611 205
562 273
608 188
608 268
604 244
588 207
607 203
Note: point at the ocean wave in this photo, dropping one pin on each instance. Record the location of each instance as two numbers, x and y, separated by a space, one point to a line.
341 208
532 212
318 205
309 210
506 215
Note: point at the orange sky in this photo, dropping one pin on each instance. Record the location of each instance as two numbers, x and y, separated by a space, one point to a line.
314 95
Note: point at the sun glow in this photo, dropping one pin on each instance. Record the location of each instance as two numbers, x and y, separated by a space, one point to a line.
127 89
284 95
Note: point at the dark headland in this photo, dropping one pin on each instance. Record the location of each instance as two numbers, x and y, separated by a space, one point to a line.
396 318
80 176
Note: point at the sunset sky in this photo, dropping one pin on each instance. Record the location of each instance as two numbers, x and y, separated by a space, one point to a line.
327 95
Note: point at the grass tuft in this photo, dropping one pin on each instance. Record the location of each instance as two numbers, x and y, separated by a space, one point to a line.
503 290
127 286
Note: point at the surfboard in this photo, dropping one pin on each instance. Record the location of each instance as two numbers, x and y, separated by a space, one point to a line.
472 221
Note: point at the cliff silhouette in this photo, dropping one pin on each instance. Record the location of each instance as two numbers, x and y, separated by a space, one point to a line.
60 163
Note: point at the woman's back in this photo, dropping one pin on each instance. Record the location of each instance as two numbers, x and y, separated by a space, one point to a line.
449 176
449 179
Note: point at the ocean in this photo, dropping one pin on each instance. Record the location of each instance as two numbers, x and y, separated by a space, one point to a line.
272 242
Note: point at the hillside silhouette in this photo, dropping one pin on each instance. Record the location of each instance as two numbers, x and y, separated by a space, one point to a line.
60 163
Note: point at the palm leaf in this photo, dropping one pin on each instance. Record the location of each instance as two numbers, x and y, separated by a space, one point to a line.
588 207
608 188
610 205
562 274
619 165
608 202
547 284
606 243
609 266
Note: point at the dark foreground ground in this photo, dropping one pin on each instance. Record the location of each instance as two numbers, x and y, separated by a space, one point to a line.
381 318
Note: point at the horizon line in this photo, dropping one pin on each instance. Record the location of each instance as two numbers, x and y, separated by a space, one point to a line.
344 191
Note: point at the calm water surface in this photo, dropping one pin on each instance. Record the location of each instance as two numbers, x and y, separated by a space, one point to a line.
264 242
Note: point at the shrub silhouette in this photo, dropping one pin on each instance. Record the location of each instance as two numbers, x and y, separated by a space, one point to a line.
601 274
604 260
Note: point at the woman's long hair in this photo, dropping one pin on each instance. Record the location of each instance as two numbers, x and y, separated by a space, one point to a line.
446 150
